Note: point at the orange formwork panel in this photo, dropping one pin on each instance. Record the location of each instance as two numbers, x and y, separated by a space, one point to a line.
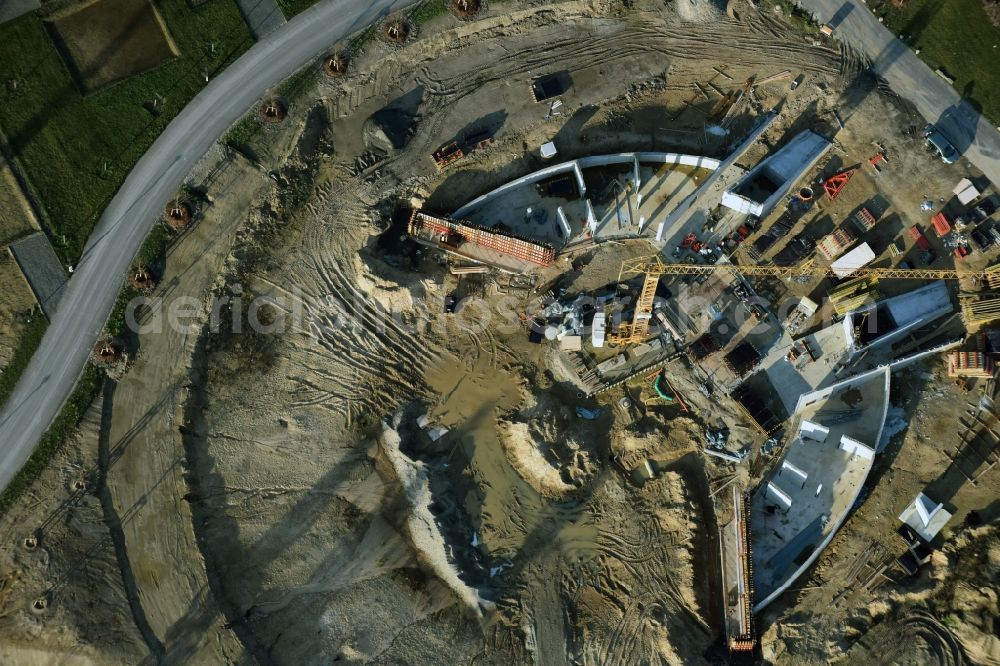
941 225
450 232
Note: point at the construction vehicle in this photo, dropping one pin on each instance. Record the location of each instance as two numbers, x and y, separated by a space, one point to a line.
455 150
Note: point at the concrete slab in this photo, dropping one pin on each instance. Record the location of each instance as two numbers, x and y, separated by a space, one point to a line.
262 16
42 270
11 9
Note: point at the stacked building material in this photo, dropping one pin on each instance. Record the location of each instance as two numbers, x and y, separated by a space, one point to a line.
981 311
969 364
993 277
853 294
835 244
941 225
864 220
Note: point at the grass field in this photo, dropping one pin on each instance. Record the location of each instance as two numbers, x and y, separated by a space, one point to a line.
419 13
956 36
111 40
77 150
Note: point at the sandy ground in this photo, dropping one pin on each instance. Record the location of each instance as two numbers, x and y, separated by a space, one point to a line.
17 302
16 219
270 495
73 567
17 305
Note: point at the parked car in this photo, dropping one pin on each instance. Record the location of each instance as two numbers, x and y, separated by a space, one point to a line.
941 144
906 264
928 257
982 211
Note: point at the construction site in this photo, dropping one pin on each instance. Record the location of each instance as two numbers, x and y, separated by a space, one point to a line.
586 333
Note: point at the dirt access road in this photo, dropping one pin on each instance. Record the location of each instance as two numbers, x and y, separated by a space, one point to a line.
893 60
91 293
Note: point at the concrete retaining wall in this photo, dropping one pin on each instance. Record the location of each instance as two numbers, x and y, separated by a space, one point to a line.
586 163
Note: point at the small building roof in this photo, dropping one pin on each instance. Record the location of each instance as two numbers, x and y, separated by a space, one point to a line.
925 516
965 191
807 306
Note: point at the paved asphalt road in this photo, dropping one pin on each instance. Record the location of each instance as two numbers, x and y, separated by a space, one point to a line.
910 78
91 292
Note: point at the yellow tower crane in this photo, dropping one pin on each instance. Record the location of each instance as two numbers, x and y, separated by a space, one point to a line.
637 331
819 270
653 267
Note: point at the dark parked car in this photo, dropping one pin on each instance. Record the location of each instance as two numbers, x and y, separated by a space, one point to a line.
982 211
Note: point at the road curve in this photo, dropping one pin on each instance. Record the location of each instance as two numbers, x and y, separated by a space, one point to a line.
91 292
935 99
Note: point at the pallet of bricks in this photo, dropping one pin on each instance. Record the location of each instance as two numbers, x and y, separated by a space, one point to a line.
847 234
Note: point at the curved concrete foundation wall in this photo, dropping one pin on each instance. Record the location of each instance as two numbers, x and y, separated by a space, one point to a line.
854 496
812 558
577 166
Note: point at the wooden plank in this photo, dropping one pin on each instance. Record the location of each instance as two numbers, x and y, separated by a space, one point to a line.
722 72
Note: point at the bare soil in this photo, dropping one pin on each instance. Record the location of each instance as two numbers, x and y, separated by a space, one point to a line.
16 218
269 493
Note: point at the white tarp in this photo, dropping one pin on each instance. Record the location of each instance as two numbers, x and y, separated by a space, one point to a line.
857 258
965 191
597 330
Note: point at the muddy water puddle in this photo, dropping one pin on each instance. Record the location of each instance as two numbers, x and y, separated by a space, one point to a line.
510 517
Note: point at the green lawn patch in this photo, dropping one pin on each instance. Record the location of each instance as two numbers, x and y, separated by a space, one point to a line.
955 36
76 150
428 10
110 40
291 8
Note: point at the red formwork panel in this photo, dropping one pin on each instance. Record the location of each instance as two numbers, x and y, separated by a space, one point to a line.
941 225
918 235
